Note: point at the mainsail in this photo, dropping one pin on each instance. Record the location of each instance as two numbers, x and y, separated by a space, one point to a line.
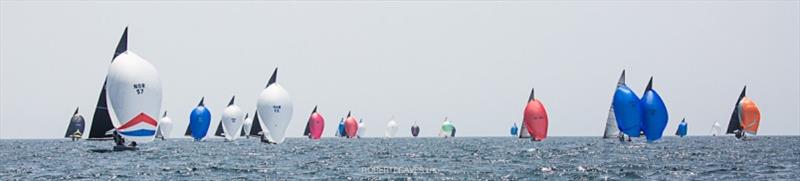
101 120
734 124
523 131
220 132
255 129
76 125
612 131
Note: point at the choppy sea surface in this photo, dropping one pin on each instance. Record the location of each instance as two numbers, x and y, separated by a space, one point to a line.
492 158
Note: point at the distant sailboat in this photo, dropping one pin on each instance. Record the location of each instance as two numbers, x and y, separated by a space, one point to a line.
447 128
535 118
655 113
627 111
248 122
682 128
275 107
716 129
101 121
362 129
745 118
164 126
315 125
350 126
199 122
391 128
612 131
75 127
232 121
415 130
341 131
133 95
514 130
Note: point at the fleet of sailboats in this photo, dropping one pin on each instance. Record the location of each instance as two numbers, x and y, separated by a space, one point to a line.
131 96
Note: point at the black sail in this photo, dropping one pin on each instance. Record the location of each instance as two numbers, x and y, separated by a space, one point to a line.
76 123
256 129
734 125
219 132
101 121
188 130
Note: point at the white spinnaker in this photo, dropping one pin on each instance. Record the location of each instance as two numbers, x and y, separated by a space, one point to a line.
391 129
232 121
165 126
275 109
716 129
362 129
133 87
248 123
612 131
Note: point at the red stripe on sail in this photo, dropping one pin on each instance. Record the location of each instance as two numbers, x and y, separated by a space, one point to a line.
142 117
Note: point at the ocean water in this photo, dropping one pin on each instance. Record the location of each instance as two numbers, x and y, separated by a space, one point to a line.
492 158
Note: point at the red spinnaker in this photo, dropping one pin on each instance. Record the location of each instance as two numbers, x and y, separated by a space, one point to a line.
350 126
316 124
535 119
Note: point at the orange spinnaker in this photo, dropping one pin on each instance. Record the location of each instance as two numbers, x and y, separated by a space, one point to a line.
351 126
535 119
749 115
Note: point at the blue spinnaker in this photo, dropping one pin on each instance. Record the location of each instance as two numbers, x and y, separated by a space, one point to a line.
655 113
627 110
514 130
199 121
682 128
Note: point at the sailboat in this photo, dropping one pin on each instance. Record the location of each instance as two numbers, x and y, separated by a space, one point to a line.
415 130
362 129
627 111
199 121
682 128
101 120
391 128
75 127
655 113
447 128
164 126
341 132
350 126
248 122
232 121
745 117
315 125
716 129
514 130
276 108
612 131
133 95
535 118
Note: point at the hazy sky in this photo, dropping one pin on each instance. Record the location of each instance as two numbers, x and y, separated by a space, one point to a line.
473 61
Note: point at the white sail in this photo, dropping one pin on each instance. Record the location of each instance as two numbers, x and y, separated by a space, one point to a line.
612 131
232 121
248 122
134 93
275 110
362 129
391 128
523 131
165 126
716 129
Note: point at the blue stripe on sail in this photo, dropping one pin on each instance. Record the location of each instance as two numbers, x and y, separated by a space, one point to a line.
139 132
